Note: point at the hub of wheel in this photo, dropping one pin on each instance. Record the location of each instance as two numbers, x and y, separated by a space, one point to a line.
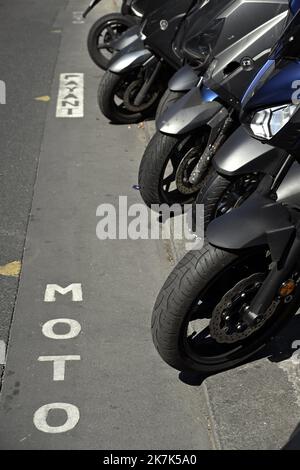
131 93
227 324
184 170
237 193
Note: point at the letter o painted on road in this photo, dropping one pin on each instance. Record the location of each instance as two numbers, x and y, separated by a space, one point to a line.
74 326
41 415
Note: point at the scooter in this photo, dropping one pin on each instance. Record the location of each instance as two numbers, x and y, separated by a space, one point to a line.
105 32
223 190
178 158
142 74
225 302
184 79
137 77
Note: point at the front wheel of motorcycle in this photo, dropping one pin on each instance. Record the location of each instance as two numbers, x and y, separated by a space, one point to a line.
167 165
116 95
220 194
102 33
197 322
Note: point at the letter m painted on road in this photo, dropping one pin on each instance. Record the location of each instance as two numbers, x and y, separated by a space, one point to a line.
53 289
2 352
2 92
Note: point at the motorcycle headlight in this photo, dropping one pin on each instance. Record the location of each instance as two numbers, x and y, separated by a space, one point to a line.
268 122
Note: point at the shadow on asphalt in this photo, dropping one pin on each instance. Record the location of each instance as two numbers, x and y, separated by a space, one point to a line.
278 350
294 442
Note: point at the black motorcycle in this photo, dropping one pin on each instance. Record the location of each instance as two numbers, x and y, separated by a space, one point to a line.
222 304
104 33
138 75
178 159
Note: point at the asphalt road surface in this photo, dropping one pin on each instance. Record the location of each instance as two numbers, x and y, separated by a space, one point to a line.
81 371
115 390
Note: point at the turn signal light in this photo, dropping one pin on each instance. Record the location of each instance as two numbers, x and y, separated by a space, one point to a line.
287 288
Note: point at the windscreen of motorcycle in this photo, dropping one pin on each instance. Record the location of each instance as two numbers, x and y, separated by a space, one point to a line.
288 47
200 31
161 15
146 6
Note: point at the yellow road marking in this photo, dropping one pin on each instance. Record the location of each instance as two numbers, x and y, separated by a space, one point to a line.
43 98
11 269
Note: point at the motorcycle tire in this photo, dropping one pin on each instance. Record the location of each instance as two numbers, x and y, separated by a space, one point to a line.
205 275
114 87
162 151
117 23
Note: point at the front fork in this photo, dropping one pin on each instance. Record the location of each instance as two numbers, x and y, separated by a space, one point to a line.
285 271
221 126
148 84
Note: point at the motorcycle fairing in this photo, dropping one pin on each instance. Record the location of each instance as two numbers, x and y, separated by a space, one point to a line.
195 109
294 6
236 66
259 220
171 14
274 85
277 84
278 73
241 154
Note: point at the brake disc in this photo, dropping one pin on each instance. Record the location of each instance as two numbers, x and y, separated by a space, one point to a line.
226 324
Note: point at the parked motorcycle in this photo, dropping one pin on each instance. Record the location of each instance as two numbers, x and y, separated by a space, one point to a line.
184 80
108 29
137 77
224 303
190 132
222 190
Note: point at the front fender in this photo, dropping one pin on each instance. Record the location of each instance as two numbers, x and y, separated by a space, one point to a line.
258 222
184 79
243 154
288 192
129 58
128 38
190 112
